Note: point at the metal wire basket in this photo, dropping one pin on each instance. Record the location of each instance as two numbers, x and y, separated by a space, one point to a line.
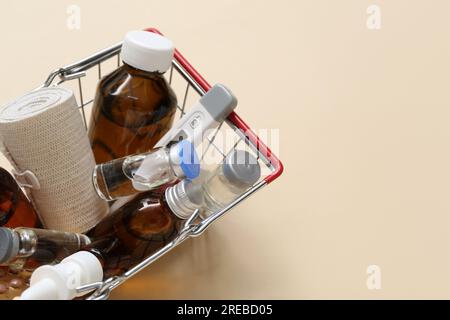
190 85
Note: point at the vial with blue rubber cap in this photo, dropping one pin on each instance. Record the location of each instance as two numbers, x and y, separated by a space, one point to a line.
144 172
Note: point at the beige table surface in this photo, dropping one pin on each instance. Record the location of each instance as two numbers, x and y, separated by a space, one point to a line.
364 125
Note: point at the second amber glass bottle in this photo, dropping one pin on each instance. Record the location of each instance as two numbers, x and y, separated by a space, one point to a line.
134 106
15 208
15 211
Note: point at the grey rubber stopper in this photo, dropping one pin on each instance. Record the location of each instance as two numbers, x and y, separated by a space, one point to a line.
9 245
241 169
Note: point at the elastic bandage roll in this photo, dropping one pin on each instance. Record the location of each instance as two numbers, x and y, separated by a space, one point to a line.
43 132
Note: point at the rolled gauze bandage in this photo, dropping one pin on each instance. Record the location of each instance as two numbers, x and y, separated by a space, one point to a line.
43 132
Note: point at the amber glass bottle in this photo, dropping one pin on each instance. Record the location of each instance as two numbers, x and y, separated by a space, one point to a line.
134 106
140 228
15 211
15 208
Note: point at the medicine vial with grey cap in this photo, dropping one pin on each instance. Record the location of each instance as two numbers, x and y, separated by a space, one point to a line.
239 171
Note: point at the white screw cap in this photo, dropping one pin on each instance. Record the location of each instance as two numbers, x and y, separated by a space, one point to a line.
59 282
147 51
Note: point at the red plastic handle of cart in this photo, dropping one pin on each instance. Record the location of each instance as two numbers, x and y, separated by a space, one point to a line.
233 118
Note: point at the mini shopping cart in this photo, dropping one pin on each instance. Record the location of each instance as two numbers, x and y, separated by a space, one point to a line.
191 83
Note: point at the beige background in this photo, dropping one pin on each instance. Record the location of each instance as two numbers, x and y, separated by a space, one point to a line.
364 119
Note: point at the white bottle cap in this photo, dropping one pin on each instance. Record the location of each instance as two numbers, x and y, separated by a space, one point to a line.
59 282
147 51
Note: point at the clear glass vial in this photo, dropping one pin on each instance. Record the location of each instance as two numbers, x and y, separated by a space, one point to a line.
239 171
144 172
27 248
